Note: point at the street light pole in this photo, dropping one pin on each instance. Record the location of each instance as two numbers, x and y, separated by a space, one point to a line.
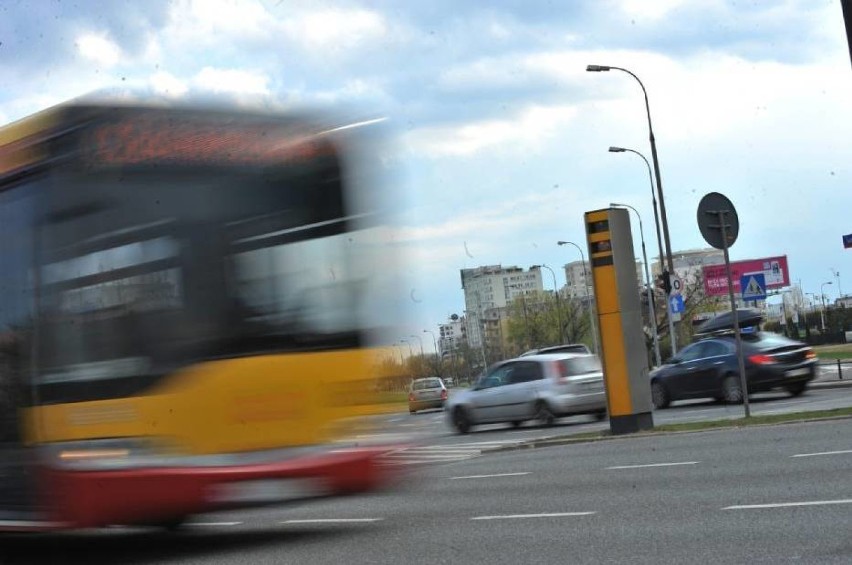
652 318
558 304
822 295
663 270
651 138
410 351
480 322
421 343
586 285
526 316
434 341
837 278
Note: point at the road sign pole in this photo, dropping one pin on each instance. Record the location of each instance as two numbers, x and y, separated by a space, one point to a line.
672 337
740 361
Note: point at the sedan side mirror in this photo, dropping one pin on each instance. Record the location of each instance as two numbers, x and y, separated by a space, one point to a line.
673 361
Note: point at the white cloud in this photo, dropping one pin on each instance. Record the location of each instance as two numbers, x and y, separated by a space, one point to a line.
335 28
246 18
357 89
99 48
650 9
232 81
529 130
167 84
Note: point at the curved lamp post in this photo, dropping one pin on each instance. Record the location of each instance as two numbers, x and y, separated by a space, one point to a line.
586 285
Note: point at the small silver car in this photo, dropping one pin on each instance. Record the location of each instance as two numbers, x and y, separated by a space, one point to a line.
426 393
535 387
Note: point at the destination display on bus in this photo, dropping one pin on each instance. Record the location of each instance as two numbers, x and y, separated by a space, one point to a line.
166 140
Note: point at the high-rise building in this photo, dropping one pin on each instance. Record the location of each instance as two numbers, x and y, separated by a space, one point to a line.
577 281
492 288
452 333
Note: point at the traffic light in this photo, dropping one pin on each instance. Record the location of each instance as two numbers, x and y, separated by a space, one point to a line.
664 283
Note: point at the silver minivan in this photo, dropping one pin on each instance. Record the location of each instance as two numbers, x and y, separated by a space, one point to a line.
535 387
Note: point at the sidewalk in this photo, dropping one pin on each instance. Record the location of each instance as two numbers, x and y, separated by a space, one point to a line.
829 375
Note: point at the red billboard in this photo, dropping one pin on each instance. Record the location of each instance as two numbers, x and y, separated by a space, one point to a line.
773 268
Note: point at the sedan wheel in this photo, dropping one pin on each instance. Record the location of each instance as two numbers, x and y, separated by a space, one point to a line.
732 391
796 389
659 396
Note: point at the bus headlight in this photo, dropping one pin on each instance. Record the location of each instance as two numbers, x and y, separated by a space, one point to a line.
103 454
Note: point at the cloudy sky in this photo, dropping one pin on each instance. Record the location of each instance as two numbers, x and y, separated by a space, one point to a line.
499 135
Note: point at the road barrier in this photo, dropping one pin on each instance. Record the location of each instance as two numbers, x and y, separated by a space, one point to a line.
834 370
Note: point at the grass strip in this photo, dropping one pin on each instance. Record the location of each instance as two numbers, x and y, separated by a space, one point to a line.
768 419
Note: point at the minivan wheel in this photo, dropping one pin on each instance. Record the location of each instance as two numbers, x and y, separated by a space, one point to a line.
659 395
543 414
732 391
461 420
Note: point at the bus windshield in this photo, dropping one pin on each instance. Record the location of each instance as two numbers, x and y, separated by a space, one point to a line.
146 272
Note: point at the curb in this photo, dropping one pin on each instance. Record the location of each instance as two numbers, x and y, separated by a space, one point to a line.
555 441
831 384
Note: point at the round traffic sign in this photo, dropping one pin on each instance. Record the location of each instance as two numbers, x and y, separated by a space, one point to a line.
677 284
714 210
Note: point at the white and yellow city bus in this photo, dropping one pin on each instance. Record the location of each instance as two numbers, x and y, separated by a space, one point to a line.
181 313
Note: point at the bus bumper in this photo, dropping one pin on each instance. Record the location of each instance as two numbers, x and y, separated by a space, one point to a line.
93 498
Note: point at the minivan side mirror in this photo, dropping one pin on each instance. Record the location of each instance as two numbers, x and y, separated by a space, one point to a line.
674 361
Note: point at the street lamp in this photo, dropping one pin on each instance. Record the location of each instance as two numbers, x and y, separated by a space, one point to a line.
556 293
434 342
837 278
822 295
586 285
401 360
421 343
526 316
663 270
408 343
652 318
605 68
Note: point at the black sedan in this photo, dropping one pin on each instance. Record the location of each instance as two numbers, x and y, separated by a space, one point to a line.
709 369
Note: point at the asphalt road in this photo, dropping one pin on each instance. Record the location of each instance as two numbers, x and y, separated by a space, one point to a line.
761 495
433 441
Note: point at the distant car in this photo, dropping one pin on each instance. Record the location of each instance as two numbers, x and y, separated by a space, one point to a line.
426 393
709 369
568 348
534 387
449 382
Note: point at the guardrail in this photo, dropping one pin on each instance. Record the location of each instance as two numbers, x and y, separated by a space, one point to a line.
835 370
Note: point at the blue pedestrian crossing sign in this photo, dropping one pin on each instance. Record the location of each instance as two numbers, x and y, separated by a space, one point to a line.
753 287
676 304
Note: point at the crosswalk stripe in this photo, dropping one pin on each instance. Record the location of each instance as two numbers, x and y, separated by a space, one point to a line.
442 453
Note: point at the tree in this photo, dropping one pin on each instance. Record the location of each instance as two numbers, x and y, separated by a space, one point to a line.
534 320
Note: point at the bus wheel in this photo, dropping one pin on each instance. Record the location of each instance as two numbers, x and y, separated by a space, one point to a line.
170 525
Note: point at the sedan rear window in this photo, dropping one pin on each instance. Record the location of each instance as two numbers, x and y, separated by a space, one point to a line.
427 383
580 366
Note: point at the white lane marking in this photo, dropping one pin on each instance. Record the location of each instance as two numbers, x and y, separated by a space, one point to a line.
789 504
521 516
654 465
332 520
213 524
455 455
822 453
490 476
